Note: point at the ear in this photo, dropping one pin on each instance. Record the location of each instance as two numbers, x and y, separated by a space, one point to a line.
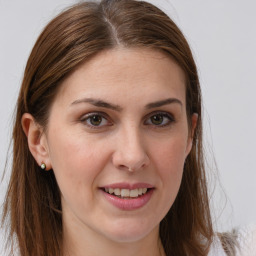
37 141
194 119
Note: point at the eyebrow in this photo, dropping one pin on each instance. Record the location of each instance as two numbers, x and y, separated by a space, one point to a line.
98 103
103 104
163 102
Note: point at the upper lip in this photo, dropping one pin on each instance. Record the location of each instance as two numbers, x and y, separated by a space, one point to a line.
124 185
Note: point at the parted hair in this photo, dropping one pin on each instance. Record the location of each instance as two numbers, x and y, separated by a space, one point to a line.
33 203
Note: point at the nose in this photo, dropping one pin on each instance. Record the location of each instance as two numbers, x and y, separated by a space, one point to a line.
130 151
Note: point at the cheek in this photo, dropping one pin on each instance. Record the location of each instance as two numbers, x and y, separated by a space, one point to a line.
171 153
75 160
169 160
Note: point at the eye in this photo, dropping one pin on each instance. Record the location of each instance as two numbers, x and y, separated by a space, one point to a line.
160 119
95 120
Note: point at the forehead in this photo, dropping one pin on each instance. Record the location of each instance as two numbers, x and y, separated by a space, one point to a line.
120 72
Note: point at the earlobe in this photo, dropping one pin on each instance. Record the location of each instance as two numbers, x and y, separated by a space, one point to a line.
194 119
36 140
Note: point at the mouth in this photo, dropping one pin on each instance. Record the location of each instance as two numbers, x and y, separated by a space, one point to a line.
126 196
125 193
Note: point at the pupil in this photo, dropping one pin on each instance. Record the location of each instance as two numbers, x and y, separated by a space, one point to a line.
96 120
157 119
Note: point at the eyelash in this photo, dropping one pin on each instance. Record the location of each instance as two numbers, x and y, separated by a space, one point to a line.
104 118
88 117
163 115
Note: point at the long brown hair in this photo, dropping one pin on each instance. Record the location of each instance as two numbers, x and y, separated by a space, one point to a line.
33 198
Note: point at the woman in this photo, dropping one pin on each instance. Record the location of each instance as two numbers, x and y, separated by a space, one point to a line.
107 143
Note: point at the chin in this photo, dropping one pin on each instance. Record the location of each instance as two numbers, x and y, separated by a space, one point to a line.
130 232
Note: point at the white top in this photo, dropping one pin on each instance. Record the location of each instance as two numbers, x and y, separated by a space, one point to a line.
246 240
216 248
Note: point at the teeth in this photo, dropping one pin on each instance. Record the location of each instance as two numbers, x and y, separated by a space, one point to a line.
117 191
126 192
134 193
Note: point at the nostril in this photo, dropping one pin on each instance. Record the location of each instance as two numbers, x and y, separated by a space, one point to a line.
128 161
123 167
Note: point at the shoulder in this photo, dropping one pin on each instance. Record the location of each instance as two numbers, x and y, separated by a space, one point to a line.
216 248
247 241
242 242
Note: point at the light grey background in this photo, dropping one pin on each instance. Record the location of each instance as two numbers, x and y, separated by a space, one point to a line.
222 35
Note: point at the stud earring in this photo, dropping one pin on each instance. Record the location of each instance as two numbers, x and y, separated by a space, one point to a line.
43 166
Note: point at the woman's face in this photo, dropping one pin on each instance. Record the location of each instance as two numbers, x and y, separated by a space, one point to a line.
117 140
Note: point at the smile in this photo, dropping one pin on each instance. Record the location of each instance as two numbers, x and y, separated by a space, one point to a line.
126 193
128 197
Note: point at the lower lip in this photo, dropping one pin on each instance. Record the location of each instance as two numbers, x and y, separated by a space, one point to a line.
129 204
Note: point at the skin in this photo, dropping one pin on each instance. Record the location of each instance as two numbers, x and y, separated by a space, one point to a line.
87 155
